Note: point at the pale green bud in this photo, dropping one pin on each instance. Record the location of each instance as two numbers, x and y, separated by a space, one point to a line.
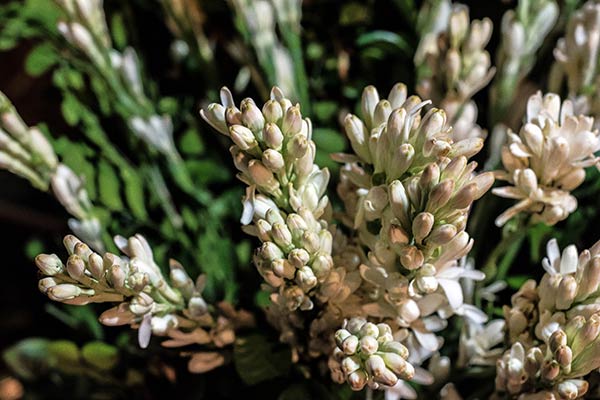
46 283
306 279
398 365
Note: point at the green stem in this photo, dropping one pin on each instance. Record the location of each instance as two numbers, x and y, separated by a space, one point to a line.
291 36
500 259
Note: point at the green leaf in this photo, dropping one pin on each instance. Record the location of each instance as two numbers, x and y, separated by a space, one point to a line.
168 105
28 358
257 359
86 318
40 59
64 352
329 140
205 172
134 194
100 355
191 143
325 110
384 37
516 281
33 248
108 186
70 109
118 31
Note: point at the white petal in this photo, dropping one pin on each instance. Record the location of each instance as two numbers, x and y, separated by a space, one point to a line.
568 261
453 292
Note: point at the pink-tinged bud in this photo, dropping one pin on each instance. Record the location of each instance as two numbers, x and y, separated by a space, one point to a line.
76 267
350 364
273 136
252 117
422 225
292 121
350 345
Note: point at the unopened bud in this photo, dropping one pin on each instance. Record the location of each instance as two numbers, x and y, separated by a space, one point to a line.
49 264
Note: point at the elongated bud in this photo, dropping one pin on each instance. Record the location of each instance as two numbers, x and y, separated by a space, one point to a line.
252 117
292 121
49 264
273 136
75 267
422 225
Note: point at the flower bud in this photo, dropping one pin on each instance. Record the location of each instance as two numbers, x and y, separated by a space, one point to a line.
49 264
350 345
422 225
272 111
273 160
252 117
292 121
273 136
64 291
242 137
368 345
298 257
75 267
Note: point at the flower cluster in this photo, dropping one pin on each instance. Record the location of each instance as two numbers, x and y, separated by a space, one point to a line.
407 191
554 329
366 354
285 200
454 64
86 29
146 300
546 160
26 152
577 59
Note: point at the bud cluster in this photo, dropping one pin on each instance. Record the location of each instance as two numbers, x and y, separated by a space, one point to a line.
453 65
523 31
86 30
554 329
367 354
577 59
146 300
24 150
546 160
407 191
285 199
